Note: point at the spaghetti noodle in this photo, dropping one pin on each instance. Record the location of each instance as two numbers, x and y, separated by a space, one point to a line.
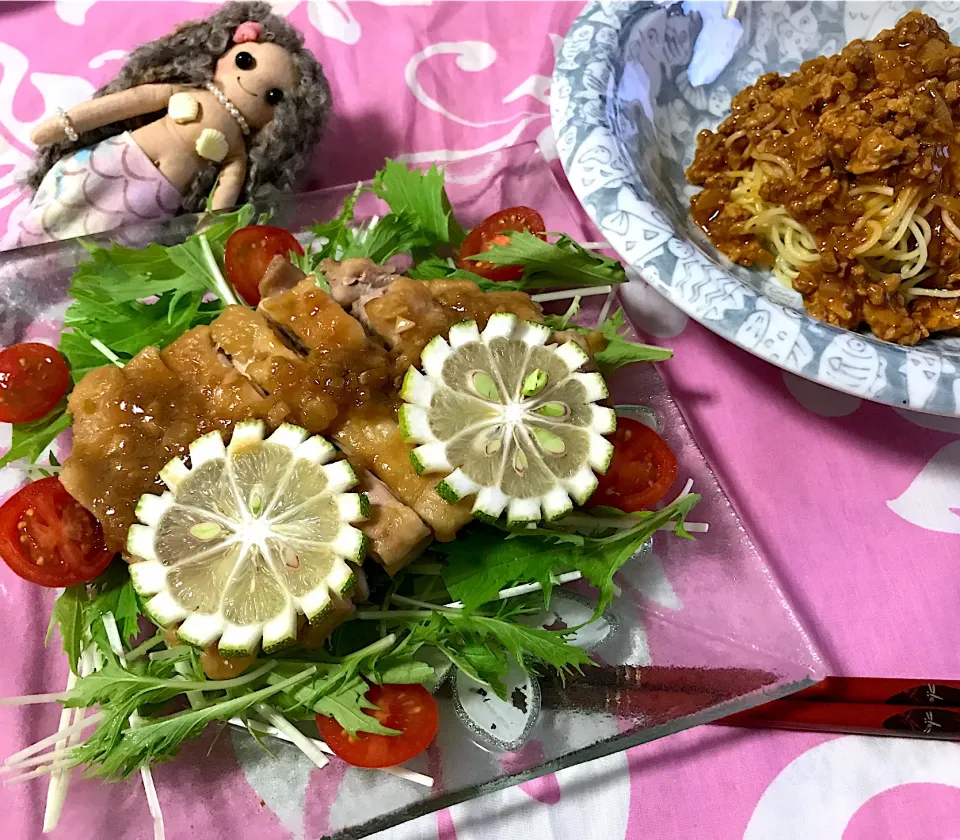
840 178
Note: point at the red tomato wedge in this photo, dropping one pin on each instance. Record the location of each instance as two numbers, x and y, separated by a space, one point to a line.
642 471
33 379
407 708
490 232
48 538
249 251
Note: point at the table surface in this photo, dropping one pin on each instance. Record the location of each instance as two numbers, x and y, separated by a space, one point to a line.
855 505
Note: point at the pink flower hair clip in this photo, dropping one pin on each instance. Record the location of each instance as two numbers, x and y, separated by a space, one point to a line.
247 31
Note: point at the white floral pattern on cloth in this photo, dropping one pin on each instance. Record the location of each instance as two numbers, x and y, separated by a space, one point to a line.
638 84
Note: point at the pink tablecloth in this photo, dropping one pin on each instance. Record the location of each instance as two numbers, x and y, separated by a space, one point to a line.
855 505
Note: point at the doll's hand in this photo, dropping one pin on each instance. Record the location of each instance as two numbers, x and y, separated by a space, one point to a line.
47 131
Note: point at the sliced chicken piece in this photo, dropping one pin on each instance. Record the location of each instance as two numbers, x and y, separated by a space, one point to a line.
128 423
396 534
360 376
247 337
351 367
464 295
228 395
258 351
280 276
411 312
356 281
371 440
316 319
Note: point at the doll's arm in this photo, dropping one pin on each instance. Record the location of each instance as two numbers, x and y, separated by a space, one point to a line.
230 183
104 110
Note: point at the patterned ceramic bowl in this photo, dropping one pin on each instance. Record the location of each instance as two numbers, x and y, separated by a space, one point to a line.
634 84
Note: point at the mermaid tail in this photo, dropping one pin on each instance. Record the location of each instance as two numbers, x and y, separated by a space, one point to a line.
93 190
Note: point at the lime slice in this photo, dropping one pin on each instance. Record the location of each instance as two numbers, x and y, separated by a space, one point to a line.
510 418
247 537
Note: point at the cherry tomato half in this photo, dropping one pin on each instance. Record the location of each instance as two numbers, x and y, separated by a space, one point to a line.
48 538
407 708
249 251
490 232
33 379
642 471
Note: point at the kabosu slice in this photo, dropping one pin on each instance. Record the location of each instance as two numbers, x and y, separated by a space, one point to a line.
509 419
247 538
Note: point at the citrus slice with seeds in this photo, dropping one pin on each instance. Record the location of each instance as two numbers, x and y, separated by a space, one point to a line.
247 537
510 418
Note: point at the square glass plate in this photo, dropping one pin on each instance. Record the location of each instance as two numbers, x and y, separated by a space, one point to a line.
704 621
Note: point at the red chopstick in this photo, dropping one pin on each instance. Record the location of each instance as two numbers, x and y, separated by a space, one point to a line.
864 706
899 692
935 722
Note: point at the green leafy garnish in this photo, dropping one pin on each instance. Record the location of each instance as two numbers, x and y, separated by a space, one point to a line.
606 555
480 645
116 750
335 234
403 673
560 263
481 562
420 220
338 690
420 199
347 707
112 592
107 305
30 439
80 609
562 322
68 615
109 289
620 350
390 236
437 268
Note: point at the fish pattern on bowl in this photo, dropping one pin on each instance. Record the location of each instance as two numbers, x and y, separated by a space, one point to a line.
628 101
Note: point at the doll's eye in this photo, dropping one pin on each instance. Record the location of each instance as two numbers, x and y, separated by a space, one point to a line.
274 96
245 61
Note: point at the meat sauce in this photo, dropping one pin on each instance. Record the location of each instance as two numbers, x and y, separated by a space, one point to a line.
882 113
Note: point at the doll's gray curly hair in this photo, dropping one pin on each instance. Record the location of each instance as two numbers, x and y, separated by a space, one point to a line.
188 56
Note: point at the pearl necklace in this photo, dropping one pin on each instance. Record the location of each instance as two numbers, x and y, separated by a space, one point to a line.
231 108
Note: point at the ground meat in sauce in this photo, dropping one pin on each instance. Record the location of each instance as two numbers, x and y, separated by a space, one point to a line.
882 112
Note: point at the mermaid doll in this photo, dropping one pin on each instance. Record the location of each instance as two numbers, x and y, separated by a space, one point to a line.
220 108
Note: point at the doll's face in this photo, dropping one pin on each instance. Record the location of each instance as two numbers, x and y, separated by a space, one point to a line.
256 78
